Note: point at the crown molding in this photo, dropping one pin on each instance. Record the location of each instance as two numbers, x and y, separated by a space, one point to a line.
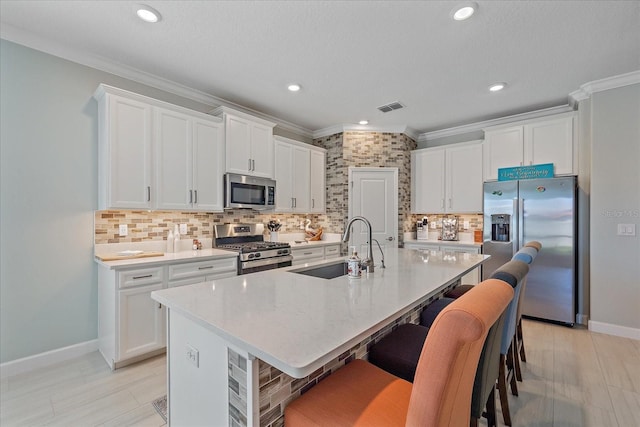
588 89
347 127
33 41
474 127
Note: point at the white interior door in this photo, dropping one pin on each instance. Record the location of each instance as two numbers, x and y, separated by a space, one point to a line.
373 194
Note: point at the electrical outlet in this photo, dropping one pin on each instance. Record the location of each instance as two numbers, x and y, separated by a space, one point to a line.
193 356
466 225
123 230
433 224
183 229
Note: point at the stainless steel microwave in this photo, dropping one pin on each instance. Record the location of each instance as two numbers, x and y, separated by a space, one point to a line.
242 191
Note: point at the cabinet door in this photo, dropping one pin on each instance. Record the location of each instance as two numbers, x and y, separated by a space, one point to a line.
126 154
208 165
502 148
428 181
317 185
301 168
284 176
550 142
261 150
141 322
464 179
173 160
238 139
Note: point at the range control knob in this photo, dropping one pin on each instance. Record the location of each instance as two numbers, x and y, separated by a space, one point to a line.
250 256
257 254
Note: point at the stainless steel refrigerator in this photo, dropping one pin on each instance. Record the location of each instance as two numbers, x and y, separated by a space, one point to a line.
516 212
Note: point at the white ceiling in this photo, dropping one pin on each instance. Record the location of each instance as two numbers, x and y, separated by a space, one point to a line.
351 56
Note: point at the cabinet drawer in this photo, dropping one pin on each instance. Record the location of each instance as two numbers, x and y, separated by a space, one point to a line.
332 251
202 268
142 276
422 246
306 253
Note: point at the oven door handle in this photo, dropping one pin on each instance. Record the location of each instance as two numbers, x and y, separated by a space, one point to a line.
266 261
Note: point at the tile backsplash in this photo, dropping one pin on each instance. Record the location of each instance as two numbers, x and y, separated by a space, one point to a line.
147 226
475 221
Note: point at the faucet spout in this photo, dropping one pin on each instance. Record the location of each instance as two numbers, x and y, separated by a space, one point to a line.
368 261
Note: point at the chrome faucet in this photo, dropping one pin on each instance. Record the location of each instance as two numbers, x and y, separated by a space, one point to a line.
368 261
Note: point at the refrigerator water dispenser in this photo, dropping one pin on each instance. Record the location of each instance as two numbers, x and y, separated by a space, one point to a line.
500 224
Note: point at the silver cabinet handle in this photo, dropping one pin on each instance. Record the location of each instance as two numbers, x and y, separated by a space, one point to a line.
292 202
205 268
390 238
313 203
307 253
148 193
249 164
442 203
159 305
196 194
254 165
190 196
146 276
450 202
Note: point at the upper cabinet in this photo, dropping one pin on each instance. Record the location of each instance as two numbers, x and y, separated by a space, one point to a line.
124 151
189 162
544 140
300 176
447 179
248 143
155 155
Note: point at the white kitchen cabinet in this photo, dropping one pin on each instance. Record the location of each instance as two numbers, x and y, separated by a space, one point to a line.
307 254
131 325
317 185
141 322
451 250
447 180
538 141
332 251
124 150
188 161
248 143
155 155
300 176
194 272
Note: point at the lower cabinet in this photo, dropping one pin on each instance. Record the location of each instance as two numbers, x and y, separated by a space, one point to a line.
302 255
471 278
132 326
141 322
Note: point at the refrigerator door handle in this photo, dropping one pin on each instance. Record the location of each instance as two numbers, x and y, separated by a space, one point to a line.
516 225
521 225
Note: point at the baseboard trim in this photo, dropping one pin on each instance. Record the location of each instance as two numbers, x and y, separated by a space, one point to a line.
617 330
30 363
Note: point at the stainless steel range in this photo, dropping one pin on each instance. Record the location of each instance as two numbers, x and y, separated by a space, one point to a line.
255 253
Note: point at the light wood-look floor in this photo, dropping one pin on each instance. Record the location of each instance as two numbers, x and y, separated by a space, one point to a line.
572 378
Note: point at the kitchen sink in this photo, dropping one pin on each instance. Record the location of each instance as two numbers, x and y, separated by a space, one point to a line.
330 271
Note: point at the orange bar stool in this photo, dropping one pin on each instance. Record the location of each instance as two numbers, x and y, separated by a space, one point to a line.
361 394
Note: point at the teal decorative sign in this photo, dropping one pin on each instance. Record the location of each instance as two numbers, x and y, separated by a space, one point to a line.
526 172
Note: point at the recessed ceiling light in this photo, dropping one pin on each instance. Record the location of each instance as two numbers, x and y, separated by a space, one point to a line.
464 11
147 13
497 86
364 122
294 87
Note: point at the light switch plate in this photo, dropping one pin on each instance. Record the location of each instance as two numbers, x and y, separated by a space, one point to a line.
466 225
123 230
193 355
183 229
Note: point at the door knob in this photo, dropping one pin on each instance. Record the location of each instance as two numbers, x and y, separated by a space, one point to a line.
390 238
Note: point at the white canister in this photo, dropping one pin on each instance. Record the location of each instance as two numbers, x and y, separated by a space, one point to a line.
274 236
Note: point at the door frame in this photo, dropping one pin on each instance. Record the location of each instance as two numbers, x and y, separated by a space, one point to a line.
386 170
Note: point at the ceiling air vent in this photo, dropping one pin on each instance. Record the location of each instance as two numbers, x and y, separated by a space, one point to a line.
390 107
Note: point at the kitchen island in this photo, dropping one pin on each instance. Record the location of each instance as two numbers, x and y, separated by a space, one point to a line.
241 348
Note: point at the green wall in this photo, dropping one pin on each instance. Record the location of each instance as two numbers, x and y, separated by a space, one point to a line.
48 150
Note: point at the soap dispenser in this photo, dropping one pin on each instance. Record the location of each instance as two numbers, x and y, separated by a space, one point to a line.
170 241
176 237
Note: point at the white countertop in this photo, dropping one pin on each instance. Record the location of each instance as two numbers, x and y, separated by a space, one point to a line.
297 323
469 243
167 258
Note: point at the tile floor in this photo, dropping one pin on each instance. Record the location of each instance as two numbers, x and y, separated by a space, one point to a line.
572 378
